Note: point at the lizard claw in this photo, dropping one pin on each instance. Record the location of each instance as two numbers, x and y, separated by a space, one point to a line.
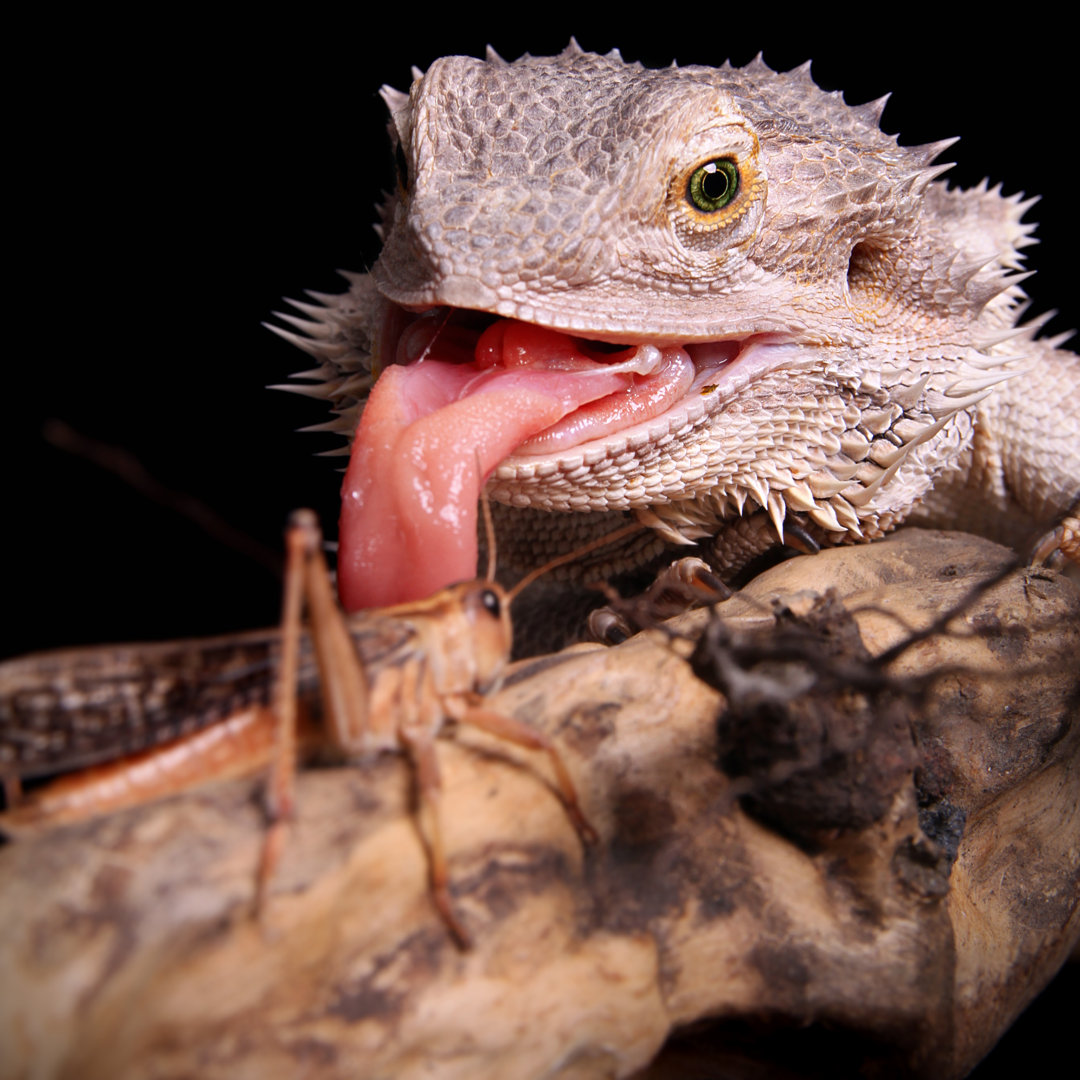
797 537
1065 538
608 626
687 583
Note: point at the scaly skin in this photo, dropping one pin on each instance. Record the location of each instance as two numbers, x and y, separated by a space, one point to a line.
899 387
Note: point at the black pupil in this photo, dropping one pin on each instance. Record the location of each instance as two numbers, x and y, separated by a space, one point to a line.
715 184
491 601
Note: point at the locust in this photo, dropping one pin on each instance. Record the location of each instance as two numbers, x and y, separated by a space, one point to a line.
140 722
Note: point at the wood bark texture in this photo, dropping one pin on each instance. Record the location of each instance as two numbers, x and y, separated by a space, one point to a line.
837 864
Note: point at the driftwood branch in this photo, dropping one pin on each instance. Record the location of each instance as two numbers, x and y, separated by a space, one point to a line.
888 887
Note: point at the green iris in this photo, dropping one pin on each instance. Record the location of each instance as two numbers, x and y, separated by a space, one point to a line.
713 185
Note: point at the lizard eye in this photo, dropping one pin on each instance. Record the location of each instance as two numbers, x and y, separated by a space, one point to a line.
713 185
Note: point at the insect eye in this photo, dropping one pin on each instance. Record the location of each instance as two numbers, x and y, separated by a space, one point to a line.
490 599
713 185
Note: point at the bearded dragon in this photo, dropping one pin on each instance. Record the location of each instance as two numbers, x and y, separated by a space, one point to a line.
719 300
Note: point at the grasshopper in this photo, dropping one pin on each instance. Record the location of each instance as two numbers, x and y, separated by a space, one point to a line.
389 679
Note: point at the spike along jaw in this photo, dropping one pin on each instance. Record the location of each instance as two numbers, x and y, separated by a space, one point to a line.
582 325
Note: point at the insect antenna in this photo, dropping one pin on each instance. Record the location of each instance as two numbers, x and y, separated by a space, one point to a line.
551 564
571 556
489 528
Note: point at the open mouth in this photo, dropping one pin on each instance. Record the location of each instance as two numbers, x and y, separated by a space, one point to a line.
465 392
609 386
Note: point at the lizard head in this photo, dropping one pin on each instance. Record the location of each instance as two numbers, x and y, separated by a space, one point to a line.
673 292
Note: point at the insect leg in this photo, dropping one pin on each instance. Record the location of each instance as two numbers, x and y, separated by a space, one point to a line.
343 682
345 688
238 746
281 781
419 742
513 731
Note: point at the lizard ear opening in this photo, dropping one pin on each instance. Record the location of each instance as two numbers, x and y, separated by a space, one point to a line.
866 271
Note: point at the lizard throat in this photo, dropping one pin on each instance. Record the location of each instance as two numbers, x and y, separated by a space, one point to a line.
465 394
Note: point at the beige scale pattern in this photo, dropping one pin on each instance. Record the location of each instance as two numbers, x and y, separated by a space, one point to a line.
554 190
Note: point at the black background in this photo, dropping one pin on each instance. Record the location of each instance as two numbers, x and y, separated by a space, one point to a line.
179 175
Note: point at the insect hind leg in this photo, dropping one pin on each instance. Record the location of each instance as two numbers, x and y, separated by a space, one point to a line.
279 796
514 731
419 743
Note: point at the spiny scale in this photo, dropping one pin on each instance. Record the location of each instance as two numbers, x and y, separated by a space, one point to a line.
913 357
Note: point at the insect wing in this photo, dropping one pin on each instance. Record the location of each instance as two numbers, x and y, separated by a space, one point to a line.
68 709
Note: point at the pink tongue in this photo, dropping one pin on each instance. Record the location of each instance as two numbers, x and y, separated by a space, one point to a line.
408 515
